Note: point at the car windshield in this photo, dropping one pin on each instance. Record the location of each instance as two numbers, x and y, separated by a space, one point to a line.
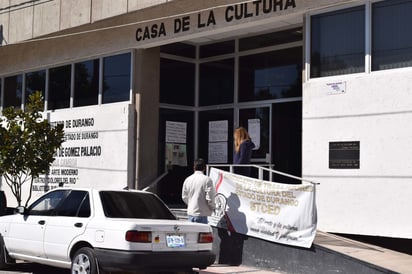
122 204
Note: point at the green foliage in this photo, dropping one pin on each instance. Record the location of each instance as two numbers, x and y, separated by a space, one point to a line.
27 145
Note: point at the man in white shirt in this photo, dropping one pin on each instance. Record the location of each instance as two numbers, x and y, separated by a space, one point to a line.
199 193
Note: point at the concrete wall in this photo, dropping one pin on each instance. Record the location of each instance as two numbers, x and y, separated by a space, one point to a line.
376 111
27 19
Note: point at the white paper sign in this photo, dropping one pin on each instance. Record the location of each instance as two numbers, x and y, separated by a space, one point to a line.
217 152
176 132
254 132
218 131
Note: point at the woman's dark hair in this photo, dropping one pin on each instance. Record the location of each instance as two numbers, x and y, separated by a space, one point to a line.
199 164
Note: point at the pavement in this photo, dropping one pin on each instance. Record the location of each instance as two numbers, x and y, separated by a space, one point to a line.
221 269
395 262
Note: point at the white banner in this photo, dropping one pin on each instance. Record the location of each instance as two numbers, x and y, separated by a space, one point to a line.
276 212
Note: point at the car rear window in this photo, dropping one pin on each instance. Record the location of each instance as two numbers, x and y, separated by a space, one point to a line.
122 204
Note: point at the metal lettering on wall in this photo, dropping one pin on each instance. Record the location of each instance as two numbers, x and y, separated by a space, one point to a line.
344 155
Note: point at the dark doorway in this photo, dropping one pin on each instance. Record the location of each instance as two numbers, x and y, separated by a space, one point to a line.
287 140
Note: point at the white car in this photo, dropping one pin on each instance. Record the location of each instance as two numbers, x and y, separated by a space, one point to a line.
94 231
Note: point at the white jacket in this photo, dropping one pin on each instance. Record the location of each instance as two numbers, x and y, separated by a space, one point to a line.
198 193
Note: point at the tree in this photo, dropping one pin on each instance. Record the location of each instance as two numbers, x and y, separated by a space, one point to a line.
28 144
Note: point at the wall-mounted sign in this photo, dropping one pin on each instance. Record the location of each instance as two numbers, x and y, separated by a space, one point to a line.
344 155
336 87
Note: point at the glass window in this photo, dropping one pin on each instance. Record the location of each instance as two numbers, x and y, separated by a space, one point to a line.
116 78
271 39
216 82
391 44
70 206
271 75
47 204
205 117
59 87
179 49
217 49
35 81
177 82
338 42
122 204
261 114
1 91
13 91
86 83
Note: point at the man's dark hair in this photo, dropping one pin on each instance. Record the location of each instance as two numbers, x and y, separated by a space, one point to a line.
199 164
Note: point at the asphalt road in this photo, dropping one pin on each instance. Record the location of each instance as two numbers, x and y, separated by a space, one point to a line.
33 269
29 268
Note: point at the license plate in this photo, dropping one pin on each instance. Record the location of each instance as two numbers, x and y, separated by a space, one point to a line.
175 240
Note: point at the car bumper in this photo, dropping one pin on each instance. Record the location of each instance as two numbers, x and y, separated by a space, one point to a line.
116 260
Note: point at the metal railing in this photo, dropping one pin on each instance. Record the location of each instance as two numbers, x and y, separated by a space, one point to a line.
261 169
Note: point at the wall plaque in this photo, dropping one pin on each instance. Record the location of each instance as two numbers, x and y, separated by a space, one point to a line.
344 155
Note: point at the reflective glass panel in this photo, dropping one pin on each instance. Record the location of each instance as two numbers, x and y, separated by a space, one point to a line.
116 78
214 149
391 44
179 49
177 82
59 87
13 91
338 42
217 49
86 83
216 82
271 75
35 81
271 39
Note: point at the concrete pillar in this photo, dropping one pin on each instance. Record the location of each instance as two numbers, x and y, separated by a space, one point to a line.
146 94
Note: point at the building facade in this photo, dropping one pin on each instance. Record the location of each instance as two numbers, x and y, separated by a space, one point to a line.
145 87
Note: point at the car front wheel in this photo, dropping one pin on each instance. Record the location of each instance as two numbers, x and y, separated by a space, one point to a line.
84 262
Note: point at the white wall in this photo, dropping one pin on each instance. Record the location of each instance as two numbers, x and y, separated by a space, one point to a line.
375 110
106 132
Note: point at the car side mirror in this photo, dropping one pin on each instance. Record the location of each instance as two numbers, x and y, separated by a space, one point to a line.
20 209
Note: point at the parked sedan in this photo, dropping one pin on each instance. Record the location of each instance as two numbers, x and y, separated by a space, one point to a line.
92 231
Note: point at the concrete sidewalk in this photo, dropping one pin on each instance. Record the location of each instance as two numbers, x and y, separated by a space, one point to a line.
221 269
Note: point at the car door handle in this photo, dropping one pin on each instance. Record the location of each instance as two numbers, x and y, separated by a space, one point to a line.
78 224
42 222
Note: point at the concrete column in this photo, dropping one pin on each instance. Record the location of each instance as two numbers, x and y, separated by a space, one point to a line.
146 94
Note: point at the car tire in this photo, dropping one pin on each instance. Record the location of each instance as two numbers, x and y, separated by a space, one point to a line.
5 259
85 262
3 254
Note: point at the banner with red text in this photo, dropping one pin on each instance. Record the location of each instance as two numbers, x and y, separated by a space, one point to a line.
282 213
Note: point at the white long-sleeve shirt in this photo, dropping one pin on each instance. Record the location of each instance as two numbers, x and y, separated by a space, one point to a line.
198 193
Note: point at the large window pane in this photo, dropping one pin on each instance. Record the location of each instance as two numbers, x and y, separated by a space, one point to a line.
35 81
215 49
216 83
59 87
116 78
206 143
177 82
338 42
391 42
86 83
270 75
13 91
179 49
271 39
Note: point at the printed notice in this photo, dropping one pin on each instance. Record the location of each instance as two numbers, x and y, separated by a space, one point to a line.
218 131
217 152
176 132
254 132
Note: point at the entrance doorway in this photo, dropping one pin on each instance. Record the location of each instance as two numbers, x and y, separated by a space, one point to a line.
224 85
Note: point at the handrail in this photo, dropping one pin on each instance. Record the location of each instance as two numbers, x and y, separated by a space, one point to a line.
155 181
261 168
